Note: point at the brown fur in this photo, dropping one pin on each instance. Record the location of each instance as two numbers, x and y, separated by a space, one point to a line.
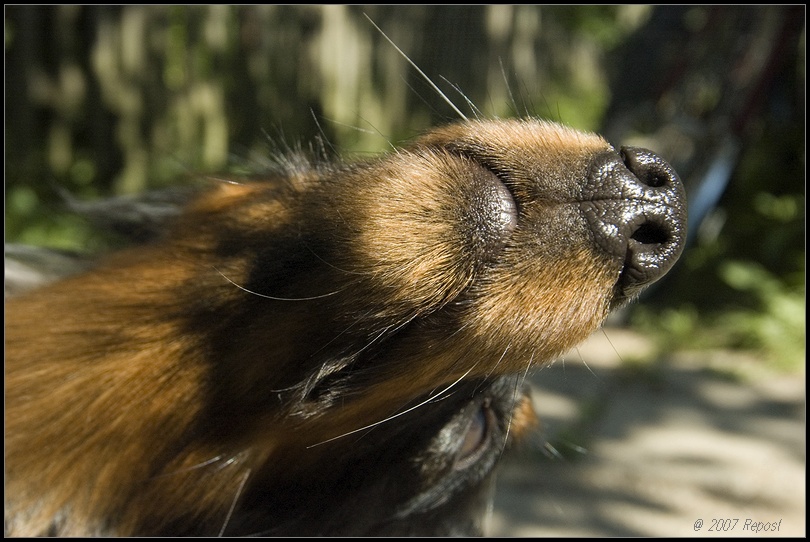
280 314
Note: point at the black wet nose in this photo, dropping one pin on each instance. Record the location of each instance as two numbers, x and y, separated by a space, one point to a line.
636 206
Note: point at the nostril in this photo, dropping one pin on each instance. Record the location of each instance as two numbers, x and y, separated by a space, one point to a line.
650 233
655 179
648 167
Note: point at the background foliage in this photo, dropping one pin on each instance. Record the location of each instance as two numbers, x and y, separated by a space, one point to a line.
108 100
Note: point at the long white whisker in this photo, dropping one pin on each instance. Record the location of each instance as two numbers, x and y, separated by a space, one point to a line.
585 363
222 180
528 101
466 99
398 414
613 346
412 63
329 264
233 503
320 130
495 366
526 372
376 131
205 463
553 452
392 328
419 95
518 385
508 87
351 126
272 297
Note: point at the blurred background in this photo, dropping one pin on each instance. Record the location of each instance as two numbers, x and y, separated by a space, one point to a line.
112 100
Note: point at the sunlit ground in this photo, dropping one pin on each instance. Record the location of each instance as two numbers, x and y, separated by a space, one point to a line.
664 449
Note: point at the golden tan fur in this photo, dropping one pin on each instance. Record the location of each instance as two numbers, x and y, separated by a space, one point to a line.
219 342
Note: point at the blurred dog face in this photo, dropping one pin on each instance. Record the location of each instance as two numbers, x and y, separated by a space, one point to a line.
337 350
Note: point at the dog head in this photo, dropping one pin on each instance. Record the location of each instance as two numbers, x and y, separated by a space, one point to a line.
338 350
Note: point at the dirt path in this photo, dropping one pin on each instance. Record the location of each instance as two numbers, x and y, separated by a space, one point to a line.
663 450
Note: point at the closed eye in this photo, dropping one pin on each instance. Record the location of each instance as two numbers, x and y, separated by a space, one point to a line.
476 438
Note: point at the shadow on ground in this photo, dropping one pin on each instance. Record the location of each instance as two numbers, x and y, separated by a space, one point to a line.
706 444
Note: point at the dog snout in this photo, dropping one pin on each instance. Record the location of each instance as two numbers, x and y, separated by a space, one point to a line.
635 205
